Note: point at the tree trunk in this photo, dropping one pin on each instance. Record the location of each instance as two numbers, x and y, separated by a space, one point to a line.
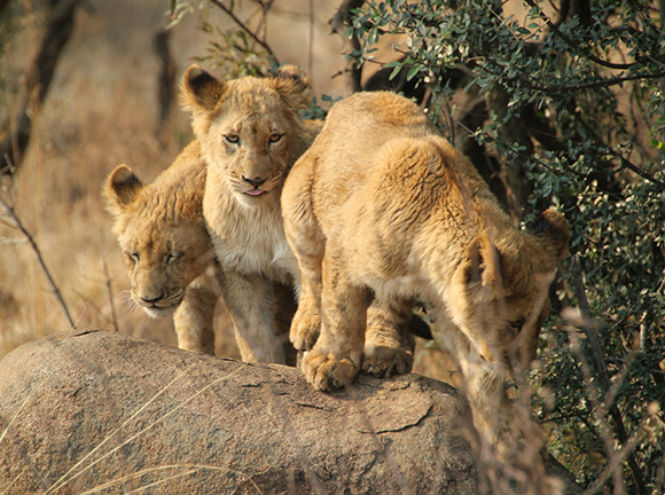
16 130
166 81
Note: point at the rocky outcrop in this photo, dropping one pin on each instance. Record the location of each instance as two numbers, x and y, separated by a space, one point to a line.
100 412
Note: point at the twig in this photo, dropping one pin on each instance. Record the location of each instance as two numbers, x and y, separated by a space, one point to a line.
597 354
245 28
109 291
600 83
40 259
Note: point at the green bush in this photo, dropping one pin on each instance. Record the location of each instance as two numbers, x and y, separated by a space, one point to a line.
567 110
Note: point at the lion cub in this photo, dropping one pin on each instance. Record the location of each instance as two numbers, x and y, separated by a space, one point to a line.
169 255
251 133
381 205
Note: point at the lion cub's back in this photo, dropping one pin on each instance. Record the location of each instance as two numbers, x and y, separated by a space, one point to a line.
358 126
351 153
187 170
382 107
180 187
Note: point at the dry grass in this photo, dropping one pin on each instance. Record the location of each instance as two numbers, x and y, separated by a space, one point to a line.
101 111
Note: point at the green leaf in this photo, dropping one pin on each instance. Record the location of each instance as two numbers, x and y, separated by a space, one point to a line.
412 72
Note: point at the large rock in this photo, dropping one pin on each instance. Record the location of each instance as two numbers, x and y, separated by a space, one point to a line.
101 412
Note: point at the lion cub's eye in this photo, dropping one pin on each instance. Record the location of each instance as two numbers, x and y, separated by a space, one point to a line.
232 138
173 257
517 324
275 137
135 257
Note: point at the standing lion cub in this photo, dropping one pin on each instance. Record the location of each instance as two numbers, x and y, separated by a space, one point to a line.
170 258
251 133
381 205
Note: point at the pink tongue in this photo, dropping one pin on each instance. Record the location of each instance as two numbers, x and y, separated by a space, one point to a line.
255 192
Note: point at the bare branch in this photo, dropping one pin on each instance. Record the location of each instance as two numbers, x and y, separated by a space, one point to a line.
597 354
601 83
245 28
19 225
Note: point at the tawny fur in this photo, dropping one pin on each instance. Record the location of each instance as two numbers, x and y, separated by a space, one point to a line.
251 133
381 204
161 230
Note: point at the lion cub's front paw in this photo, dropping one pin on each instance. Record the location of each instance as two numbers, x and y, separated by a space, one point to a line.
304 330
386 354
384 362
326 373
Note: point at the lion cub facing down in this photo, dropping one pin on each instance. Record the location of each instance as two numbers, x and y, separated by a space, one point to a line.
381 204
169 255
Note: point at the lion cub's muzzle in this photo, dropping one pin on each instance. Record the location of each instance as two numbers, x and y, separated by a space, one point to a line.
160 305
256 184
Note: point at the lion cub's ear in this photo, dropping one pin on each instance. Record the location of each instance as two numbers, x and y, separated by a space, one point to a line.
200 90
482 263
122 186
552 230
294 86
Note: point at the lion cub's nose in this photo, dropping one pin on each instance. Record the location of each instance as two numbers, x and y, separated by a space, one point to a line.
256 181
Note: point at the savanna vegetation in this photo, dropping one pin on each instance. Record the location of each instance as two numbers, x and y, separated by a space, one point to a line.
556 103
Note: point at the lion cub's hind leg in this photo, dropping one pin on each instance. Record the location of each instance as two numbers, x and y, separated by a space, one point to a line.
389 344
336 357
